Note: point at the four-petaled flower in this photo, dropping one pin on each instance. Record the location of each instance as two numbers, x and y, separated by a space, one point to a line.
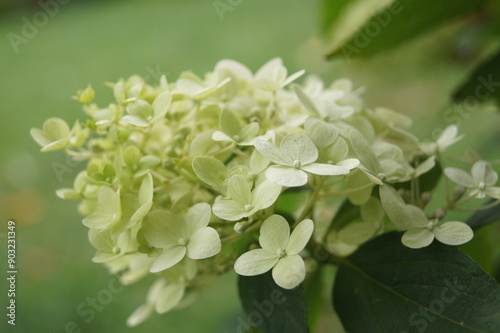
280 251
422 230
179 236
480 182
295 156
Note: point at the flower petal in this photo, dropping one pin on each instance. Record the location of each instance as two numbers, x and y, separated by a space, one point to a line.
169 297
300 148
273 153
493 192
479 171
265 194
325 169
140 314
299 237
168 258
255 262
239 190
417 238
321 133
459 176
196 217
274 233
289 272
162 228
286 176
453 233
394 206
204 243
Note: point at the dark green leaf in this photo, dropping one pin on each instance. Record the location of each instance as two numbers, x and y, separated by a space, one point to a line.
485 216
271 308
396 289
329 12
402 21
483 83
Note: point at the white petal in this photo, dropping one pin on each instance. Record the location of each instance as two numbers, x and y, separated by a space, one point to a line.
140 314
169 297
286 176
168 258
196 217
349 163
493 192
321 133
273 153
325 169
459 176
448 137
265 194
453 233
136 120
229 210
221 136
306 100
289 272
480 170
300 236
204 243
274 233
417 238
416 216
293 77
300 148
255 262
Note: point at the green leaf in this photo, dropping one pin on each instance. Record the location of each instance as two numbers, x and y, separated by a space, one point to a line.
330 11
483 217
401 21
483 83
271 308
397 289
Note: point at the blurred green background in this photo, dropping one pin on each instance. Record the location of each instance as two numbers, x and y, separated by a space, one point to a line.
96 41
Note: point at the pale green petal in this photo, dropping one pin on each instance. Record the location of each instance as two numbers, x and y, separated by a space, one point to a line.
239 190
416 216
337 151
161 104
289 272
55 145
306 100
300 237
169 297
459 176
141 109
364 152
197 217
349 163
417 238
273 153
168 258
162 228
299 148
136 120
372 211
132 156
140 314
210 170
229 210
425 166
255 262
204 243
249 132
221 136
321 133
491 176
453 233
108 210
480 170
266 84
230 124
265 194
493 192
274 233
448 137
55 129
286 176
146 190
258 162
356 180
325 169
148 162
293 77
395 207
140 213
40 138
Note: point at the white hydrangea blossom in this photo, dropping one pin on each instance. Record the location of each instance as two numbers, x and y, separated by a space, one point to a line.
183 174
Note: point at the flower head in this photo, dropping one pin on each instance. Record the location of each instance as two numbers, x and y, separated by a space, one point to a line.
480 182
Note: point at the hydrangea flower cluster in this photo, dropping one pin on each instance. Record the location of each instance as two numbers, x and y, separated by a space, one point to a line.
188 179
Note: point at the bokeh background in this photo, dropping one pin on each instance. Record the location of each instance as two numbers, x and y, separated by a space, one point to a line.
97 41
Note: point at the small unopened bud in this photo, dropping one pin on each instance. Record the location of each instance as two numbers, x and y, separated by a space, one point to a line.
458 192
240 227
85 96
426 197
439 214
